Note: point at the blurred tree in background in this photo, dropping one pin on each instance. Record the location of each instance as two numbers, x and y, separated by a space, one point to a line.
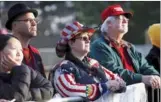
145 14
54 15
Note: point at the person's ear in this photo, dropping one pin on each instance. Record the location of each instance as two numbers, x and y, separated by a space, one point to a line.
0 54
0 58
70 43
1 69
14 24
109 23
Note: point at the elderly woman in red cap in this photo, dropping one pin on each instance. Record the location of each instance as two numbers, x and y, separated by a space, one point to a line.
77 74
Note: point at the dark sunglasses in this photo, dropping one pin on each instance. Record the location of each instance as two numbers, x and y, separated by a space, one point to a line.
83 38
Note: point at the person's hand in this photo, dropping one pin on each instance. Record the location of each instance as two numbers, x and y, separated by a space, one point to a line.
151 80
113 85
121 82
155 82
7 62
117 85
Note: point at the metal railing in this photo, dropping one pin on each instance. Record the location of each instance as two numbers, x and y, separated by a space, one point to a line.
154 95
134 93
70 99
51 60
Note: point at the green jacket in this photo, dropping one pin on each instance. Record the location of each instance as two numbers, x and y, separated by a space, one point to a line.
108 57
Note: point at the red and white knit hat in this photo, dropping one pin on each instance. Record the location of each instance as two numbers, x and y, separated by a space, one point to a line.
69 32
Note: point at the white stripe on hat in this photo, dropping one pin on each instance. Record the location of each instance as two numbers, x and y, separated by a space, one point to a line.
74 26
69 32
118 9
78 24
69 36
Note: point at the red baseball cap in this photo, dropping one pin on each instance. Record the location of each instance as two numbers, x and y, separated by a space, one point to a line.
114 10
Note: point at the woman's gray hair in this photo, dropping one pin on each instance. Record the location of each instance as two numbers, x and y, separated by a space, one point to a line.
104 26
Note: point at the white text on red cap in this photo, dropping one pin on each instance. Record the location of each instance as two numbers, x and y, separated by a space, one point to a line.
118 9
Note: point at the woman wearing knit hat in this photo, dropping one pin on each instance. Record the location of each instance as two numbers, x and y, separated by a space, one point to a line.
153 57
77 74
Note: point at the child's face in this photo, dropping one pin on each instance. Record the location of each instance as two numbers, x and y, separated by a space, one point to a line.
14 50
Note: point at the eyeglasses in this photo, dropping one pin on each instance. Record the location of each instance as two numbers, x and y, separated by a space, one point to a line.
29 20
121 17
84 38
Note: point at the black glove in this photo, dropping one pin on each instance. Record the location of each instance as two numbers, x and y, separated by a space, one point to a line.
122 89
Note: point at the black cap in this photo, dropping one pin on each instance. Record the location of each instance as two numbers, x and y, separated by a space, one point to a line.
17 10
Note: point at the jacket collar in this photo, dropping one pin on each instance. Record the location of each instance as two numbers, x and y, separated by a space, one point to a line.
122 43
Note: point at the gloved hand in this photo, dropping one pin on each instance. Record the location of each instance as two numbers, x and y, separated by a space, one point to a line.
122 86
117 85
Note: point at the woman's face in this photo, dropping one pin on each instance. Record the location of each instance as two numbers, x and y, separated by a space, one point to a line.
81 44
14 50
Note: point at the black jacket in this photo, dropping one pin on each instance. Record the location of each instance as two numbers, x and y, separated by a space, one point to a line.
24 84
153 58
